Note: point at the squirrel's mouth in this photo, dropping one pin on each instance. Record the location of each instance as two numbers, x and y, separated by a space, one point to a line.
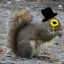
60 32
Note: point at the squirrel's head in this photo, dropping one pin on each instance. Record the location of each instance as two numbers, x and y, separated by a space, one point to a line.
54 25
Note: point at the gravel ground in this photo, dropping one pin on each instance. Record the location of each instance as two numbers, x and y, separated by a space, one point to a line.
55 51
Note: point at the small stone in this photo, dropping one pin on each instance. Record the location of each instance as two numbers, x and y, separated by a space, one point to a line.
1 49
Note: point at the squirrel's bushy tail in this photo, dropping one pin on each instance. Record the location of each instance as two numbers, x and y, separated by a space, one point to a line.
20 20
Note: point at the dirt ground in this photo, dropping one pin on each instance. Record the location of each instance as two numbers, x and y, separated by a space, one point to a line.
55 51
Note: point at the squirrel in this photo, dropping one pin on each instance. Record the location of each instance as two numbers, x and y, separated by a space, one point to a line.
25 37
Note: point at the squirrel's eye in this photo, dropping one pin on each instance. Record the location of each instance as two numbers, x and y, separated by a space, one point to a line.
54 22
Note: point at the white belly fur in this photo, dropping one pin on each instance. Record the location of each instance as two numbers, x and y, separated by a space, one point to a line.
35 50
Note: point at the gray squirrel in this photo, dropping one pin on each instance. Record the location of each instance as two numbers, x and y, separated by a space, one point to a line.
25 36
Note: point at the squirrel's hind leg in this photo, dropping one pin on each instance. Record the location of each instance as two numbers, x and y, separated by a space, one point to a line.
24 49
